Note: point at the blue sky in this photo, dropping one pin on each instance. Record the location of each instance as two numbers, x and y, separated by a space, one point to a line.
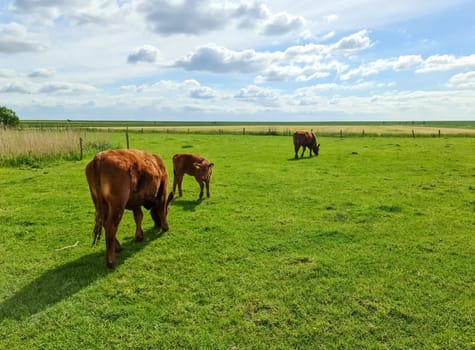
256 60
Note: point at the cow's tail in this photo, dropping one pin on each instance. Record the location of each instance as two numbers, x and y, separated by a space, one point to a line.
95 187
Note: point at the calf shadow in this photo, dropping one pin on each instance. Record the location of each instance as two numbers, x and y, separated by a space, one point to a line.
300 158
66 280
188 205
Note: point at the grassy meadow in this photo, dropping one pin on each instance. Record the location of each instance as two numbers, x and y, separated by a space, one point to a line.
368 246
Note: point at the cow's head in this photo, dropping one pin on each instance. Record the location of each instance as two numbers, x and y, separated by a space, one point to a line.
203 170
159 212
316 148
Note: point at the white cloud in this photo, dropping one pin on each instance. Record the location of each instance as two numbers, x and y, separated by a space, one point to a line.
7 73
42 73
146 53
462 81
352 43
15 38
167 17
292 72
17 87
279 73
327 36
188 88
446 62
331 18
100 12
191 17
258 95
65 88
376 67
26 87
203 92
302 62
45 12
282 23
218 59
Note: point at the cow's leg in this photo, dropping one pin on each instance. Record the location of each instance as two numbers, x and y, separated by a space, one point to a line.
303 151
201 182
97 227
177 180
296 151
101 214
111 226
118 247
207 188
138 216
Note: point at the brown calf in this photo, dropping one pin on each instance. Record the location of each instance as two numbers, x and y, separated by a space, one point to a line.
126 179
305 139
194 165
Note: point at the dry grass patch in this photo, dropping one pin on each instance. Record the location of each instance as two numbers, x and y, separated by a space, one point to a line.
29 146
275 129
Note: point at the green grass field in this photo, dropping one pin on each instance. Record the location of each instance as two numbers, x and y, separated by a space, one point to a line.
368 246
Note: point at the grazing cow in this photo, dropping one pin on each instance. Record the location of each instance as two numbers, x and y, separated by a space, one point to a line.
191 164
126 179
305 139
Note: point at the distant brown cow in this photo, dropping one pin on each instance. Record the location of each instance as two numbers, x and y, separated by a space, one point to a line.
305 139
126 179
195 165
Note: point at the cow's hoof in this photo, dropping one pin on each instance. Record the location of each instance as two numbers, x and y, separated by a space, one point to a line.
139 238
110 265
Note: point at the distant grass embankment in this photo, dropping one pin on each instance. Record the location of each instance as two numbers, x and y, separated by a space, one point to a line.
32 147
423 128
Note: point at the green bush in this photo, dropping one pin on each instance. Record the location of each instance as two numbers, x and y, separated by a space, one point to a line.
8 117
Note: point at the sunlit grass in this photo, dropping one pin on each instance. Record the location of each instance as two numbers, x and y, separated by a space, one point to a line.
370 245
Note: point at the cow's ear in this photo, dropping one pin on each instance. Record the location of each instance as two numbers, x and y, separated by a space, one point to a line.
197 165
211 165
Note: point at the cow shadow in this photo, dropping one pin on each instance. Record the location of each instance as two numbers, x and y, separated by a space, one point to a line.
186 204
66 280
300 158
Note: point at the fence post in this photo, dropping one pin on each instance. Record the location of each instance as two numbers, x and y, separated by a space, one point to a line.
80 148
244 131
127 136
439 132
341 133
413 134
363 132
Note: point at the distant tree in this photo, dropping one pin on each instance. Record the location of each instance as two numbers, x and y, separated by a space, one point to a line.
8 118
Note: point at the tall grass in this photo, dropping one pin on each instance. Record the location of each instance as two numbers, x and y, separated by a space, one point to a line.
33 147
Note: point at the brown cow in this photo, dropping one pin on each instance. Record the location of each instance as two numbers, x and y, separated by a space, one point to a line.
191 164
305 139
126 179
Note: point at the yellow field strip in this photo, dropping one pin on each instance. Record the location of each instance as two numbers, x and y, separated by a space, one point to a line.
319 129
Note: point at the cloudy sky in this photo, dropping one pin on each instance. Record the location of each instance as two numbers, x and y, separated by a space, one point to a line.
256 60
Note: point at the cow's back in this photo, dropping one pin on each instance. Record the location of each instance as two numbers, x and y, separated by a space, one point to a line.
184 163
126 177
303 138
